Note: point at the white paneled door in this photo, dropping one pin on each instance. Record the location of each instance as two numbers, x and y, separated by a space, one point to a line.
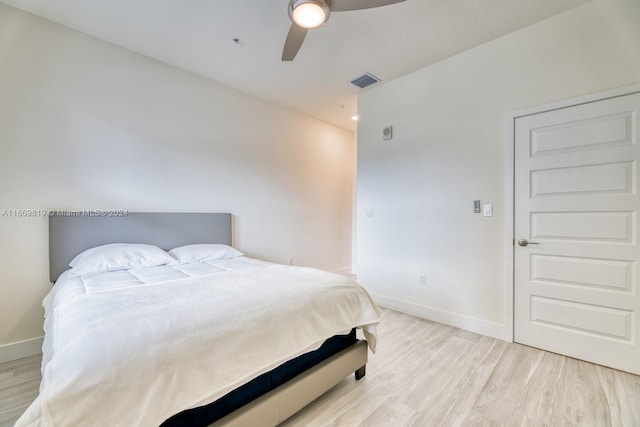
576 232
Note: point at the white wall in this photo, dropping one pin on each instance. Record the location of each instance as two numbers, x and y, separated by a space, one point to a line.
449 149
87 125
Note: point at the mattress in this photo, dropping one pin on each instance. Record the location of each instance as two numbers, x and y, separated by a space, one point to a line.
135 347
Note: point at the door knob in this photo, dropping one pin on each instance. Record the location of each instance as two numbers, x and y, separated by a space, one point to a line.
525 242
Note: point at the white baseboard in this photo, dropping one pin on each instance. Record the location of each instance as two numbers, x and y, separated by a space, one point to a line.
473 324
20 349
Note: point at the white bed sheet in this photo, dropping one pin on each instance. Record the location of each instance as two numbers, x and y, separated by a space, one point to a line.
132 348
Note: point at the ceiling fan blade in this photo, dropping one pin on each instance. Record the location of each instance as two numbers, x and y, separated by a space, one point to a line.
345 5
294 41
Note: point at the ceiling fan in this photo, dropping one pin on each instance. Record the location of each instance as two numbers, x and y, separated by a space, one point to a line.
309 14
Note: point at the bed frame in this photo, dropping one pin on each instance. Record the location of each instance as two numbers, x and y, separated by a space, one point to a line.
73 232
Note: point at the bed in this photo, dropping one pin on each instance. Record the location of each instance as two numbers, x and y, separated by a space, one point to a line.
200 335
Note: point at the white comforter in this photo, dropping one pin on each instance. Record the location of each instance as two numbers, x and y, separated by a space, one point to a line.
132 348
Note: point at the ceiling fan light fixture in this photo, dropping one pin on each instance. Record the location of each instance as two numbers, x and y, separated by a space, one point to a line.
309 13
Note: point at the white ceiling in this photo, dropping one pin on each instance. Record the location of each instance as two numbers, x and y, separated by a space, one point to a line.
388 42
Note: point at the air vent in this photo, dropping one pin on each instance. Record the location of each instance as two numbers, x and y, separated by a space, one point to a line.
365 80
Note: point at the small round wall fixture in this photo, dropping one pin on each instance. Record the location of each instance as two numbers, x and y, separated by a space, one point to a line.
387 133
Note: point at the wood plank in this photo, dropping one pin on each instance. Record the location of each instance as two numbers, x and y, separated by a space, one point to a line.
505 389
585 399
391 412
22 370
544 393
622 391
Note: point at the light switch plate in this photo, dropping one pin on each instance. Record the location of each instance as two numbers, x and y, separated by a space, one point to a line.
488 210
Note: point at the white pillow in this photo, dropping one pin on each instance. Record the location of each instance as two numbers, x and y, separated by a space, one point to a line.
203 252
118 256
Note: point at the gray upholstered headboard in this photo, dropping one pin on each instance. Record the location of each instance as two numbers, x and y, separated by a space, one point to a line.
71 233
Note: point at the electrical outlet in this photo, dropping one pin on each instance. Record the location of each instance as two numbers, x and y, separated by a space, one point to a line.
290 261
423 280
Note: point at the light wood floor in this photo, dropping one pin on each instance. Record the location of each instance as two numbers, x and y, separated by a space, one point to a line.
19 382
428 374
